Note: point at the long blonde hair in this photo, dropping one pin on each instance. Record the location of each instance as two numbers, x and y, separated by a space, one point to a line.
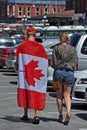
64 38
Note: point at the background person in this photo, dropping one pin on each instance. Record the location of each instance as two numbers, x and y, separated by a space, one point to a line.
24 37
64 62
32 75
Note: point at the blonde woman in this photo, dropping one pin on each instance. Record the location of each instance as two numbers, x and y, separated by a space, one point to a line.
64 61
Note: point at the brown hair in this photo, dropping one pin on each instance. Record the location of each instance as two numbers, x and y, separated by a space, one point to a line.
64 38
31 33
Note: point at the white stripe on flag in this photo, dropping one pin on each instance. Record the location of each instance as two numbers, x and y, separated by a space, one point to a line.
41 84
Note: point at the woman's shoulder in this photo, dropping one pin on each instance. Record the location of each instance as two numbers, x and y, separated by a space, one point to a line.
72 47
57 46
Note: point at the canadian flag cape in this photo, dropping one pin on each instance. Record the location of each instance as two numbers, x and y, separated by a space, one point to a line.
32 75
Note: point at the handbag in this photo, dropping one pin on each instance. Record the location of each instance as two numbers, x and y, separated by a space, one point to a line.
57 85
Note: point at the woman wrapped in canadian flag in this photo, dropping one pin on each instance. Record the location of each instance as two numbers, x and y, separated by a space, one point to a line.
32 75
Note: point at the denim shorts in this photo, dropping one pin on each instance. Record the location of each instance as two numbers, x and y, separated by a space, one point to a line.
64 77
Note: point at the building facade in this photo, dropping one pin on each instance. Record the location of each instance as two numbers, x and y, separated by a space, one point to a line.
80 16
70 4
3 11
81 6
23 10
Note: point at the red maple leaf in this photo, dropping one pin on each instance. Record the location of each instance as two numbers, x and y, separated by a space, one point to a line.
32 72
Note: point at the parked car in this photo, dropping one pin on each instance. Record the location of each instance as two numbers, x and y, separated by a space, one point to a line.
48 44
17 36
11 60
51 32
81 49
72 28
40 33
74 38
6 44
80 86
11 32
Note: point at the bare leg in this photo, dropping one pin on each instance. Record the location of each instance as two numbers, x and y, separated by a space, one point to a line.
67 99
36 117
36 114
59 100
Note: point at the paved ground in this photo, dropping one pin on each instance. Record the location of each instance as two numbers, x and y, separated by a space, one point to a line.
10 113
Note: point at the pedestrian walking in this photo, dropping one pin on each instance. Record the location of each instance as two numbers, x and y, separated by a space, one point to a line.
64 62
32 75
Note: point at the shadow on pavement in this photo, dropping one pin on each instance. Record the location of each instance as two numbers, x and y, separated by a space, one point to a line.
46 119
79 106
13 82
17 119
10 74
82 116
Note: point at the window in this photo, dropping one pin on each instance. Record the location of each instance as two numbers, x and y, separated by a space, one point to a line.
28 11
7 42
11 10
20 11
46 10
37 11
62 9
84 47
2 11
54 10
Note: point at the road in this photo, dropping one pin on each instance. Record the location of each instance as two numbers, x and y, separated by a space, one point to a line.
10 113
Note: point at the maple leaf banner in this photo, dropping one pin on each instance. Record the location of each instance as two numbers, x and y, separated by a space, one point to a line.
32 81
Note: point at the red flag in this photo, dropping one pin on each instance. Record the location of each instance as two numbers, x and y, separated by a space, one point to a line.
32 75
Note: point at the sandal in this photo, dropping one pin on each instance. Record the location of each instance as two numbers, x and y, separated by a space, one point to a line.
24 118
36 120
60 118
67 119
